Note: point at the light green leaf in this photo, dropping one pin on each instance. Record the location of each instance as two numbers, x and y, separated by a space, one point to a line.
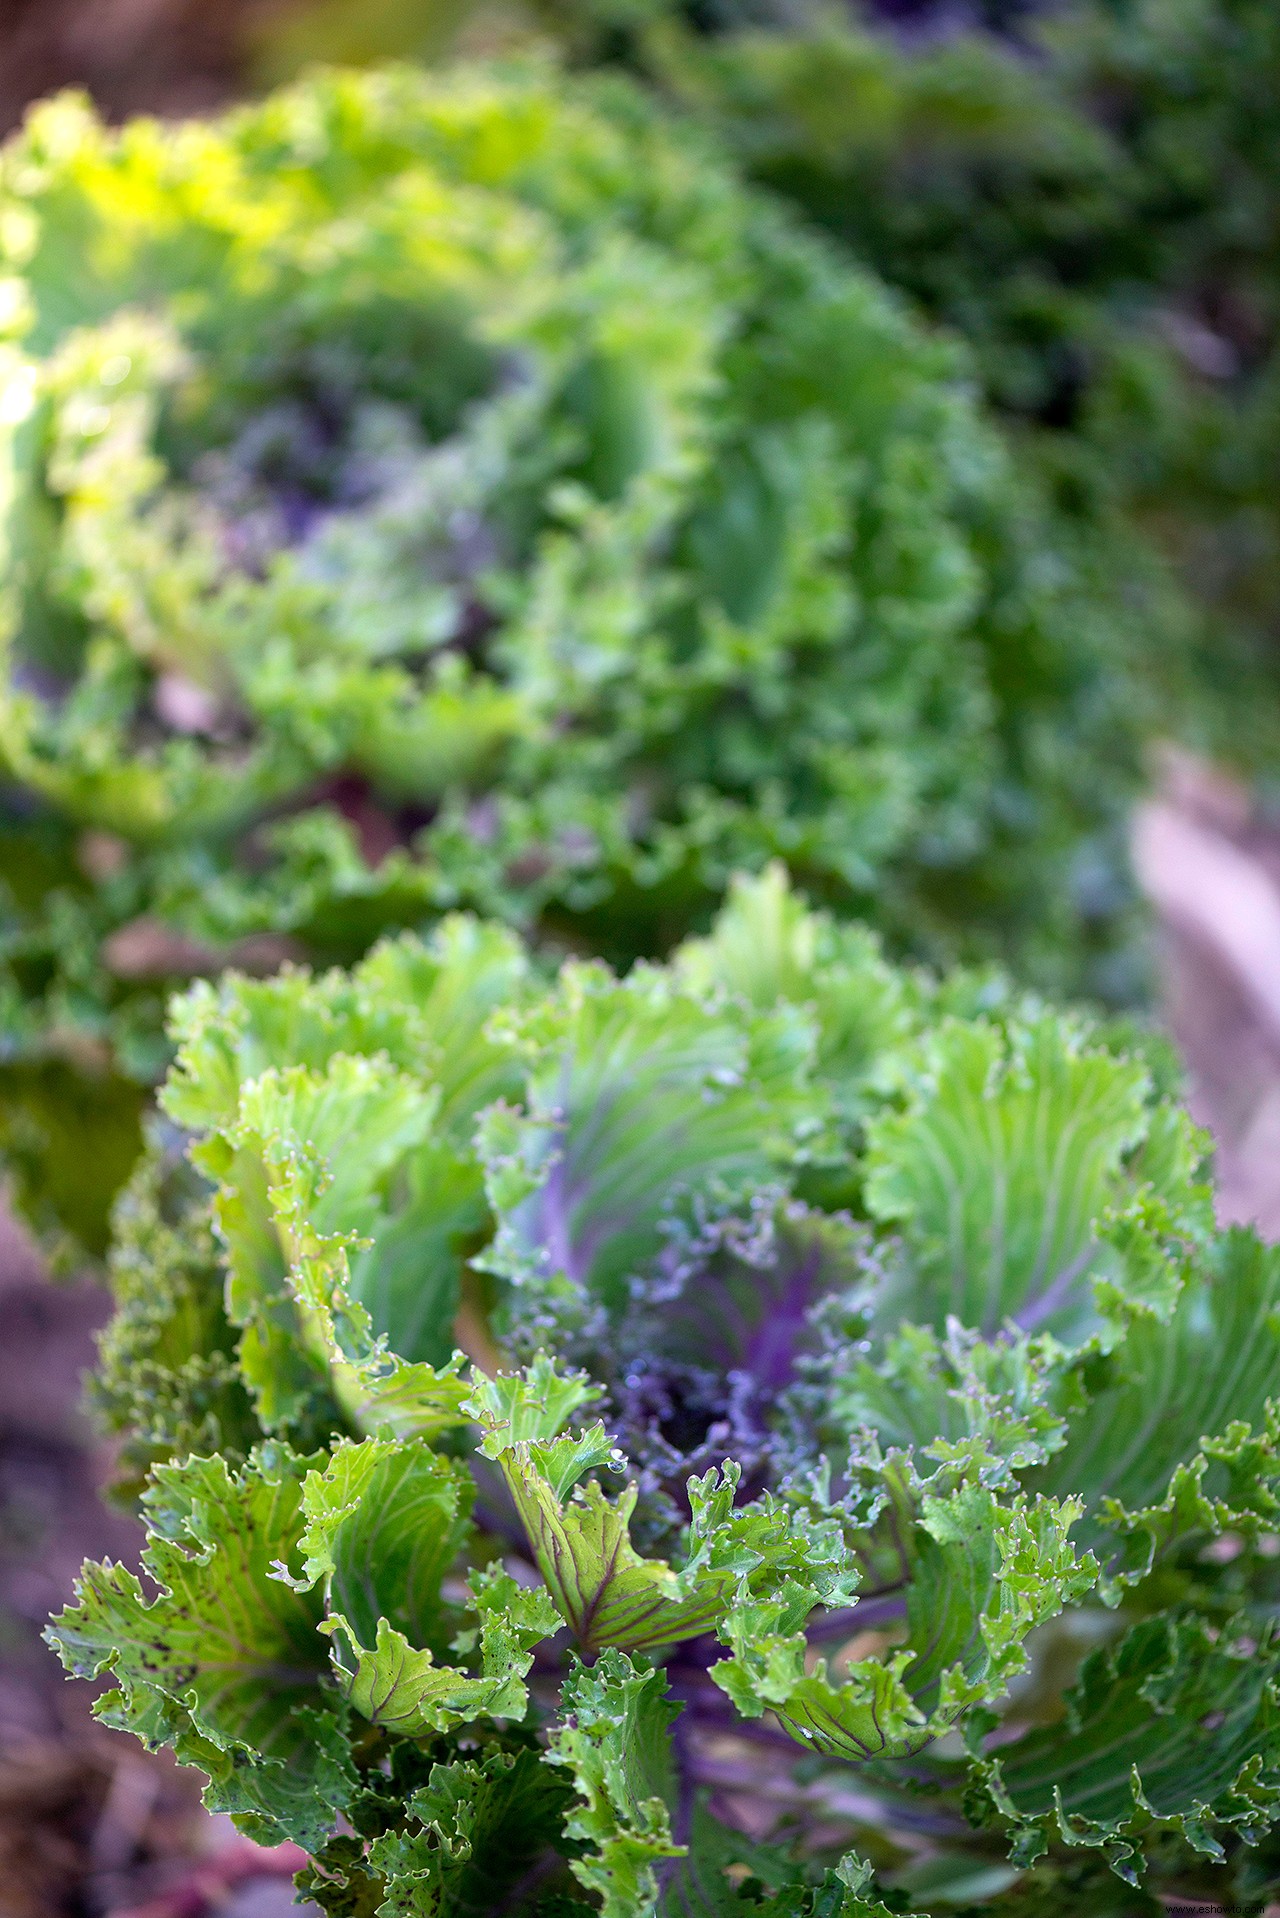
726 1875
767 945
294 1226
401 1687
868 1713
225 1663
533 1405
636 1095
978 1577
604 1590
423 1003
1001 1171
385 1521
1173 1431
340 1110
840 1895
953 1398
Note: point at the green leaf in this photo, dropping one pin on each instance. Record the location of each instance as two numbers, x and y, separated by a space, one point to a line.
400 1687
614 1739
225 1663
869 1713
295 1120
768 946
726 1875
952 1399
385 1521
1173 1726
1001 1170
167 1379
528 1406
422 1003
1172 1432
286 1376
977 1577
297 1233
605 1591
840 1895
378 1389
276 1070
482 1825
447 986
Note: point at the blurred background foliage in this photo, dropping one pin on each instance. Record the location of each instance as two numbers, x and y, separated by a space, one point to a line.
449 491
1089 194
1086 191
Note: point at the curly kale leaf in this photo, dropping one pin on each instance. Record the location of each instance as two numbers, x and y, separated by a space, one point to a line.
478 1829
385 1522
1171 1433
973 1578
340 1253
225 1663
613 1741
167 1378
605 1591
244 1665
1000 1170
1173 1726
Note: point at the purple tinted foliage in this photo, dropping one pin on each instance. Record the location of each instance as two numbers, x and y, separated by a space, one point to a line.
1037 1311
48 686
747 1288
557 1227
675 1423
271 486
715 1341
936 19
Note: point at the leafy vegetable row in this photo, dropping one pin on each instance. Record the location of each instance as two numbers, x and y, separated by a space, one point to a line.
422 492
770 1433
1090 201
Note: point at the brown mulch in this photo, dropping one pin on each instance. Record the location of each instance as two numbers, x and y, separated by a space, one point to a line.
134 56
51 1516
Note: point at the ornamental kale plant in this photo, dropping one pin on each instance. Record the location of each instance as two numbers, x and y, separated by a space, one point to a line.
420 493
767 1434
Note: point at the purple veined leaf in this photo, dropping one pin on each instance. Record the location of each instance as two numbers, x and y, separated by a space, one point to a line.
642 1109
749 1289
